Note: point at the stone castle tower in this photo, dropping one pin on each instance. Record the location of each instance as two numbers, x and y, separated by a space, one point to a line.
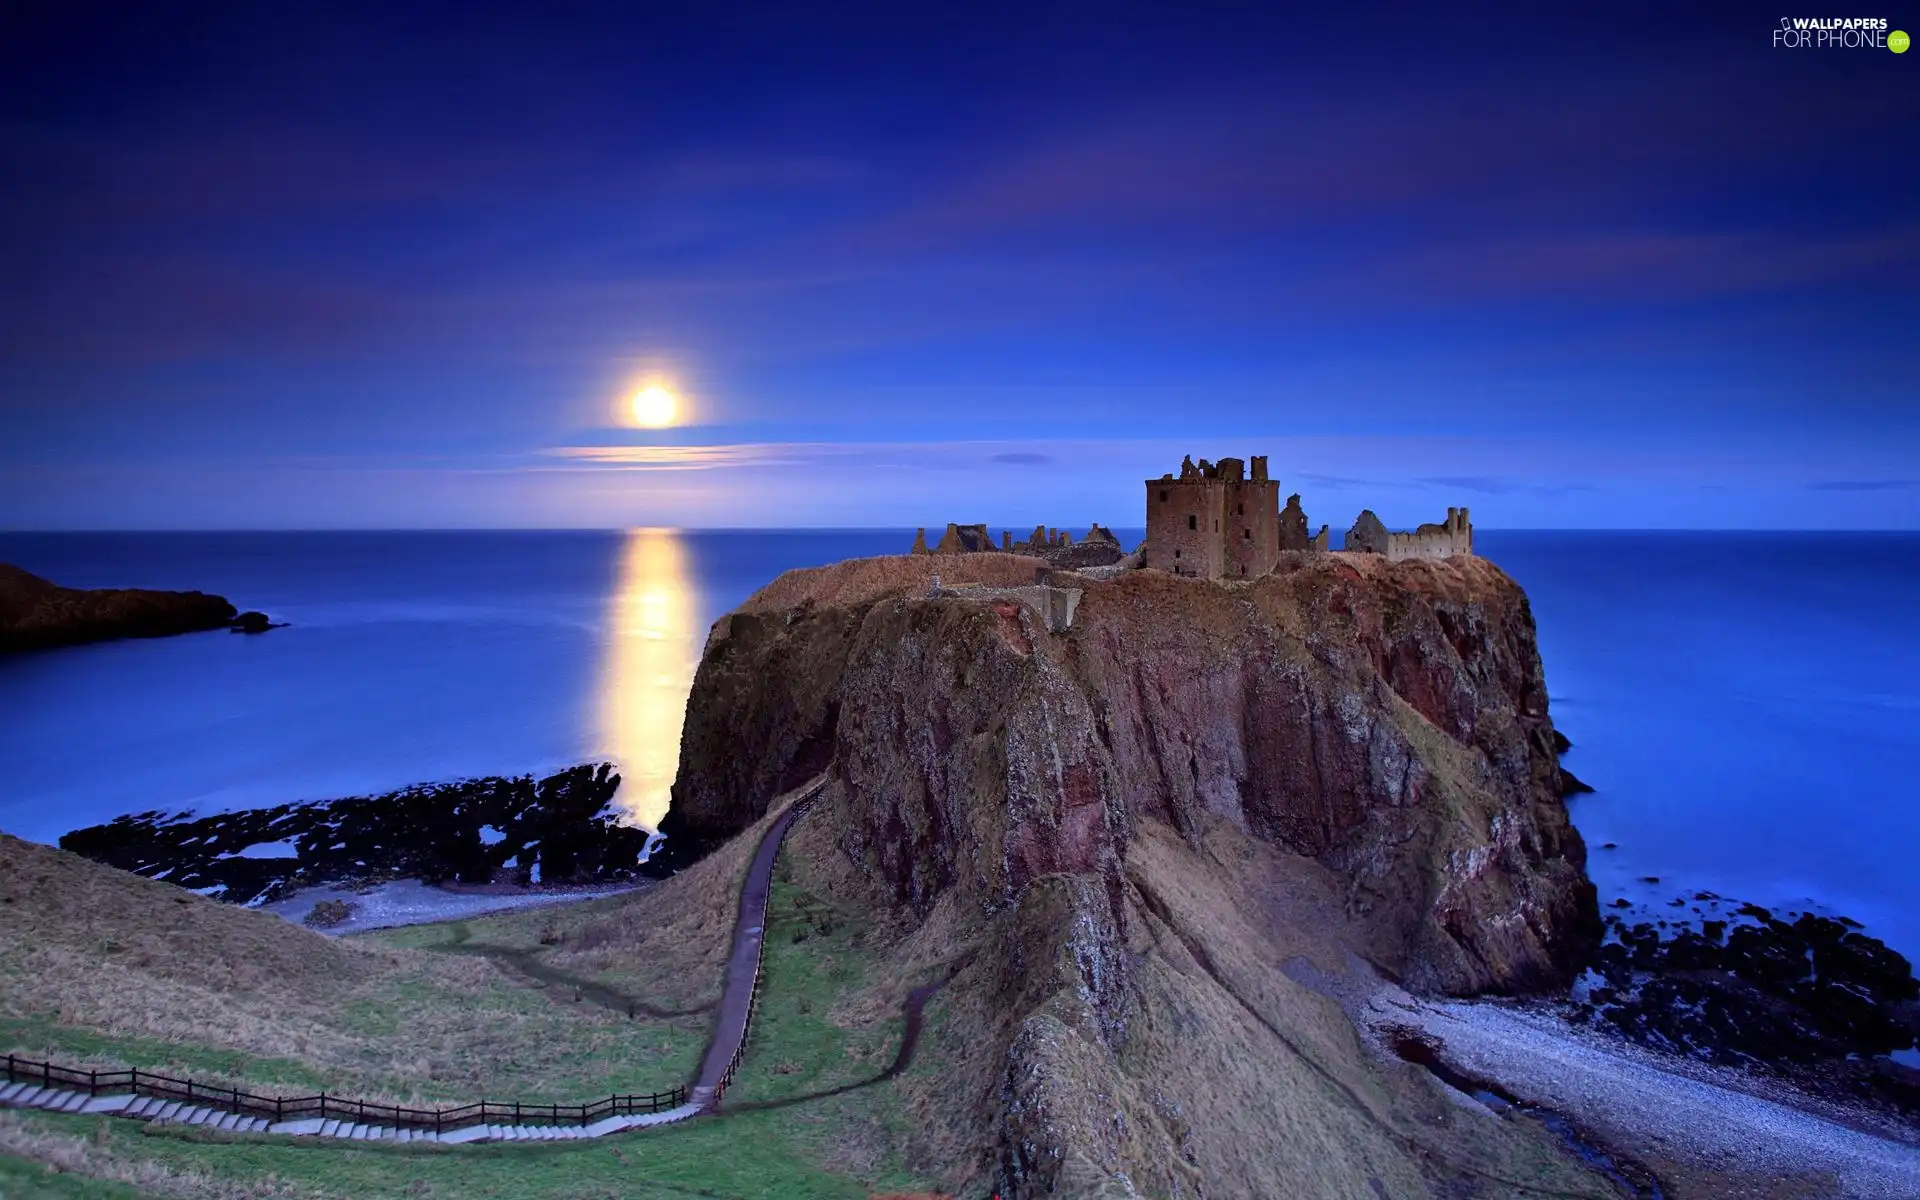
1217 520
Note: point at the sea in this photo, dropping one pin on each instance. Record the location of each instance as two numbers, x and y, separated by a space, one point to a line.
1746 705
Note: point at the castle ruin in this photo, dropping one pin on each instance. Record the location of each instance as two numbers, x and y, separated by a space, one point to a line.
1099 548
1223 521
1217 520
1431 540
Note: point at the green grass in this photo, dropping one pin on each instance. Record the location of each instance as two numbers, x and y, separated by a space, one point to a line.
815 1030
748 1155
412 1039
21 1179
71 1045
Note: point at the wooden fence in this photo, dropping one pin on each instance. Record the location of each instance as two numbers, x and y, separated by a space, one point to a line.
439 1120
332 1108
753 998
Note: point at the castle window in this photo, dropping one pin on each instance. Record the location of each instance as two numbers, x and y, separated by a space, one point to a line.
1216 526
1163 495
1176 554
1240 510
1247 533
1193 522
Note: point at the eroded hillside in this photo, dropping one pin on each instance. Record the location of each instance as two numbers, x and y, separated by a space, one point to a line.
1120 836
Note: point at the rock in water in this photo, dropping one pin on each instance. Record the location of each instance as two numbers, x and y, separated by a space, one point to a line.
36 614
466 831
254 622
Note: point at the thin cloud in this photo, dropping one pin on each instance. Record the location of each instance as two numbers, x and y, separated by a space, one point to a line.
1491 485
1334 483
1864 485
1022 459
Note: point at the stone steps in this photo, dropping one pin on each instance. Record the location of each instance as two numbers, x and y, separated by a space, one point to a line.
179 1112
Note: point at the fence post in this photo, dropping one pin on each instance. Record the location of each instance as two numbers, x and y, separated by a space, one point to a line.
93 1083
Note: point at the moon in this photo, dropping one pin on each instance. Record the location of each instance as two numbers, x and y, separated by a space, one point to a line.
655 407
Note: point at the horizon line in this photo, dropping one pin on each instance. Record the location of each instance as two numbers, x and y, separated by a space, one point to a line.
889 529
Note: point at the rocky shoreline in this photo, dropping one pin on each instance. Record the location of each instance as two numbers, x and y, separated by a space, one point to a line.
496 830
36 614
1812 1000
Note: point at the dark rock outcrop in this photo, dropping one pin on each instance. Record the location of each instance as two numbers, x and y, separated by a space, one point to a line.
433 832
255 622
36 614
1756 990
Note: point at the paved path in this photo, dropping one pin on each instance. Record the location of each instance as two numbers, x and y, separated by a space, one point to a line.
724 1050
743 966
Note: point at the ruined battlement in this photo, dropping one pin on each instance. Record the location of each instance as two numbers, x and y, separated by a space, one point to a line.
1444 539
1098 547
1223 520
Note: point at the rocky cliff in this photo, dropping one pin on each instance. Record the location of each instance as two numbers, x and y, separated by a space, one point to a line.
35 614
1192 783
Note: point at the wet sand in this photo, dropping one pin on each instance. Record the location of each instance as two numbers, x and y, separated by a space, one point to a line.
410 902
1705 1131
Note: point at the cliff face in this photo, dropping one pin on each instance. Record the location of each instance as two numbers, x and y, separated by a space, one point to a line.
1389 721
1076 812
35 614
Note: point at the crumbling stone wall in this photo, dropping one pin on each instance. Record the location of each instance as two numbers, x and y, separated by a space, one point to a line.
1293 526
1368 535
1055 606
1057 546
1432 540
964 539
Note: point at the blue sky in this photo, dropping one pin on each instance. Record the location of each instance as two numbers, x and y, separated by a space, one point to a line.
916 263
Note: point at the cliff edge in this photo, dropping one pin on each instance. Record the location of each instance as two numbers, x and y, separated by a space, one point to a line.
1119 836
36 614
1388 720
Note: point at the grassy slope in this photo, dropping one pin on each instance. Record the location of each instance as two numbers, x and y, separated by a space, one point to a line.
107 969
819 1028
1273 1089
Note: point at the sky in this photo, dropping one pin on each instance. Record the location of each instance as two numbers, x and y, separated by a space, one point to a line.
332 266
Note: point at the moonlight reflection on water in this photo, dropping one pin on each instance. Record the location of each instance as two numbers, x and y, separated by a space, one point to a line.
653 645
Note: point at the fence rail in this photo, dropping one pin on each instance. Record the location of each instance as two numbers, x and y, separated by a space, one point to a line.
439 1120
333 1108
753 997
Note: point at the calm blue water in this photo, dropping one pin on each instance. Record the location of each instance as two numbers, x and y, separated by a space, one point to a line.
1747 706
